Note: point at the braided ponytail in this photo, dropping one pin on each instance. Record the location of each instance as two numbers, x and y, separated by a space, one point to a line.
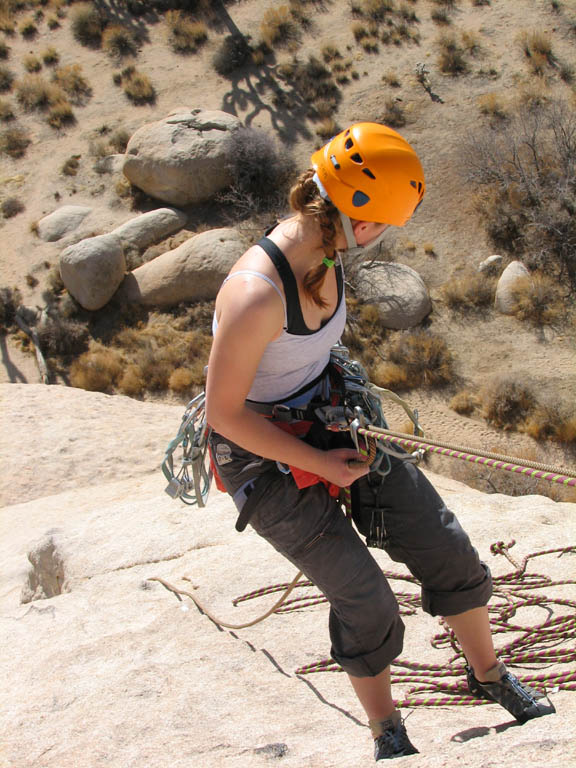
306 199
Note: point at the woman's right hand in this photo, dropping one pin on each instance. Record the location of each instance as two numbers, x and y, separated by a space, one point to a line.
343 466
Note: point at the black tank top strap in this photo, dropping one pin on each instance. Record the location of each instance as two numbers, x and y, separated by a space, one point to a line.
293 310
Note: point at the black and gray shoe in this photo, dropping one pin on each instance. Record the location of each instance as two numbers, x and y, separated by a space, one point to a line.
393 741
518 698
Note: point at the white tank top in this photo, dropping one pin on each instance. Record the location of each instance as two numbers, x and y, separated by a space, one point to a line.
298 355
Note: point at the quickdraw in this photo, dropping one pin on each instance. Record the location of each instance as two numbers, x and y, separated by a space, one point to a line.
191 483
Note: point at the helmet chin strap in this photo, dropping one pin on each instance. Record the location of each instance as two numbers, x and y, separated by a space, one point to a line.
353 248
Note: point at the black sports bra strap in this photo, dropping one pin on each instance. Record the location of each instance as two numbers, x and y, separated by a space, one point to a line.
293 310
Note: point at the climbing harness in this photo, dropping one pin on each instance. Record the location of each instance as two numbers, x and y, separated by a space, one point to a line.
191 483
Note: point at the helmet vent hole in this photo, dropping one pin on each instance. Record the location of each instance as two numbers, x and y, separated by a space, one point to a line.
359 199
413 184
356 158
368 173
419 186
349 144
335 162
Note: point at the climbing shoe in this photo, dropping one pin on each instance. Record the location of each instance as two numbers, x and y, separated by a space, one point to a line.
390 738
502 687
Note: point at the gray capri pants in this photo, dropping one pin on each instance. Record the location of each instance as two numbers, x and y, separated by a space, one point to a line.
310 529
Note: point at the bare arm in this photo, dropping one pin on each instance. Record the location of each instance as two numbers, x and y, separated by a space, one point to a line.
251 315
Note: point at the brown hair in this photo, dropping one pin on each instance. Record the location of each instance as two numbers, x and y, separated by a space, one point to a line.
306 199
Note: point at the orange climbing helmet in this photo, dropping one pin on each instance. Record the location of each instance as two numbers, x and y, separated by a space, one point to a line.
371 173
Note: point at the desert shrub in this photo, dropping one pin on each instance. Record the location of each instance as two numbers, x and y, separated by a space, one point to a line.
72 82
119 140
12 206
525 173
14 141
60 337
184 34
87 24
50 56
507 402
6 79
464 402
233 52
6 111
451 58
393 113
538 299
32 63
97 370
181 380
259 169
119 41
471 291
34 92
132 381
71 165
28 29
60 114
492 104
10 300
327 128
551 421
416 359
139 89
278 26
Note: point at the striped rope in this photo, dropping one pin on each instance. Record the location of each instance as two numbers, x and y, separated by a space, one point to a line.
508 463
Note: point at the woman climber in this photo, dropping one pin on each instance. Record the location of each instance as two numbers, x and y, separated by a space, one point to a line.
278 314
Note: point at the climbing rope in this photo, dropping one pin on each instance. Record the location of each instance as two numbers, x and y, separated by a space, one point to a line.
550 643
496 460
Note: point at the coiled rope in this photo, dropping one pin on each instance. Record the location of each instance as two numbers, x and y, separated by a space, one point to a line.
552 642
496 460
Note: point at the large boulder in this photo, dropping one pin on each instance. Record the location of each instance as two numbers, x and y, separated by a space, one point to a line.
149 228
61 221
93 269
182 159
192 272
398 291
504 299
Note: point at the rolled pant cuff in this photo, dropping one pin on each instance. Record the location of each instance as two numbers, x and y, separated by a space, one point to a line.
454 603
371 664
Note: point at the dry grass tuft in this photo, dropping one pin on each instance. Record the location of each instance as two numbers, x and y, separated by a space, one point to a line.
138 88
97 370
119 41
393 115
416 359
451 58
278 27
465 402
12 206
70 167
73 82
185 35
50 56
538 299
6 79
493 105
34 92
60 114
32 63
507 402
28 29
87 24
471 291
14 141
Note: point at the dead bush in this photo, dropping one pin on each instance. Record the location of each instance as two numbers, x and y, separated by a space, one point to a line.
181 380
471 291
417 359
278 27
60 337
552 421
87 24
97 370
465 402
139 89
233 52
132 381
71 165
185 35
12 206
119 41
14 141
507 402
538 299
492 105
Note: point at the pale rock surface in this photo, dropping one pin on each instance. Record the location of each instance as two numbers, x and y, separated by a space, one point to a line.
397 290
193 271
181 159
491 265
503 300
93 269
149 228
116 671
62 221
110 163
